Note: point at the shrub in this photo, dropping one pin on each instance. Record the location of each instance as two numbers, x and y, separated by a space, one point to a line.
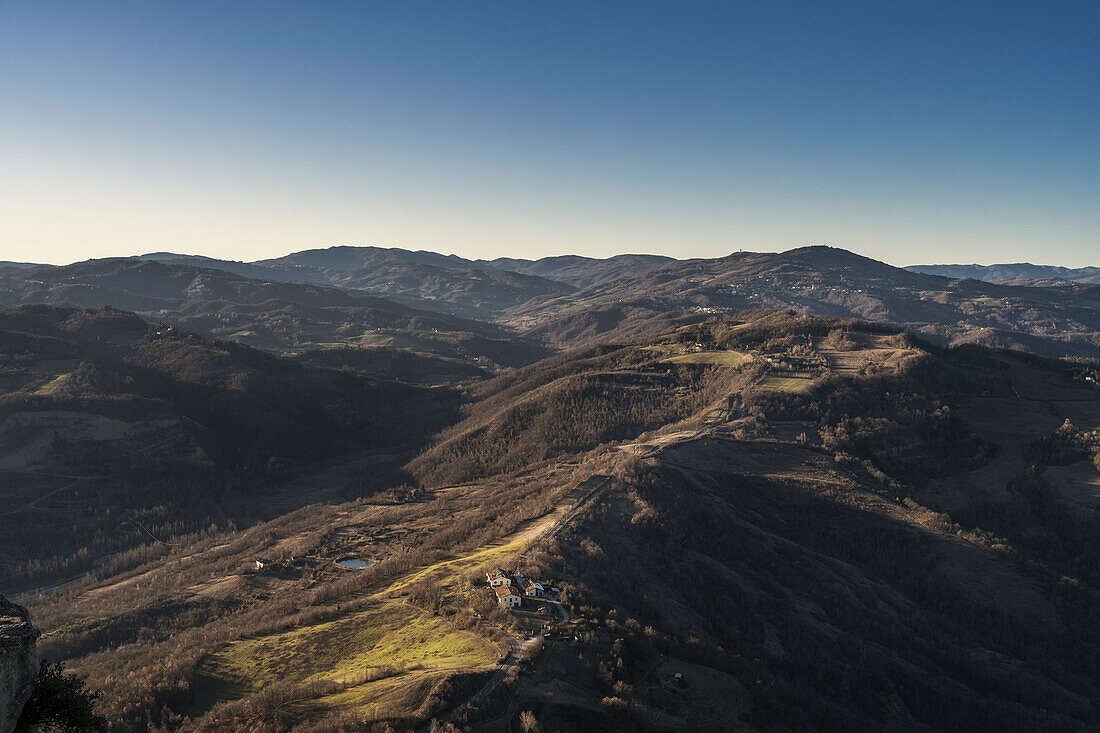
60 702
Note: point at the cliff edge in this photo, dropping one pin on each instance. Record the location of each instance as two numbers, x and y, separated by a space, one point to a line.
18 662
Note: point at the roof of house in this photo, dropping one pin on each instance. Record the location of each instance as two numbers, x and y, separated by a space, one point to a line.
498 573
532 584
504 590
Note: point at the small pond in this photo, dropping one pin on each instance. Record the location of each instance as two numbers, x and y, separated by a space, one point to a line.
354 563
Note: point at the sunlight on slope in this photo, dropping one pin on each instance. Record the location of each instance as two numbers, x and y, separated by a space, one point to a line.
391 634
723 358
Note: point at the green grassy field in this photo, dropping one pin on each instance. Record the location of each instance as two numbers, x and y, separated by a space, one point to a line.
398 696
789 431
50 374
1037 403
447 572
1040 384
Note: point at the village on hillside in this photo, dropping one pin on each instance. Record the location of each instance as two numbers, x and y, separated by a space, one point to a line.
511 588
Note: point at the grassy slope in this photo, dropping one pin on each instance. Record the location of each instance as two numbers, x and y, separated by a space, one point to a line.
723 358
419 649
389 634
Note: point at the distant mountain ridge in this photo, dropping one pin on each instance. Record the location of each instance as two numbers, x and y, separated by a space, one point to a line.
826 281
16 266
317 298
575 270
1019 272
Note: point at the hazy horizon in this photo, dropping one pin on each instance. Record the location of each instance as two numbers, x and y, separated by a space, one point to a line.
931 133
276 255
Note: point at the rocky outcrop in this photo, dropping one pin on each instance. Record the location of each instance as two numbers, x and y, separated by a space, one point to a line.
18 662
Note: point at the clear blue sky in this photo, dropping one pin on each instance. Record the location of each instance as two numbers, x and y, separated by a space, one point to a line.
908 131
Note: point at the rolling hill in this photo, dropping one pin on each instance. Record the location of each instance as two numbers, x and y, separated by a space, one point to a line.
816 487
818 523
635 295
273 314
440 283
144 431
573 270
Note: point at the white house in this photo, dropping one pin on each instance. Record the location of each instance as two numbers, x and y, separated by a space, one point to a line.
534 590
507 597
498 577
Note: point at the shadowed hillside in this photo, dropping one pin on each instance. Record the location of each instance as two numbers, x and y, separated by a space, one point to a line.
146 432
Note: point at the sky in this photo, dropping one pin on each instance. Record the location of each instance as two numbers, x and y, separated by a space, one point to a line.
912 132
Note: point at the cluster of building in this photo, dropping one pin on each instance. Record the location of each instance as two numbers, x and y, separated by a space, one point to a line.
510 589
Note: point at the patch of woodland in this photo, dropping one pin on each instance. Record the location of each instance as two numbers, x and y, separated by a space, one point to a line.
905 423
566 406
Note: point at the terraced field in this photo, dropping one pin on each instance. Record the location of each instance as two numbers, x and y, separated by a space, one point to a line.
869 350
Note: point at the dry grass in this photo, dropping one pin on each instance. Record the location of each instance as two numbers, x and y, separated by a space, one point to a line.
389 635
787 382
723 358
383 657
